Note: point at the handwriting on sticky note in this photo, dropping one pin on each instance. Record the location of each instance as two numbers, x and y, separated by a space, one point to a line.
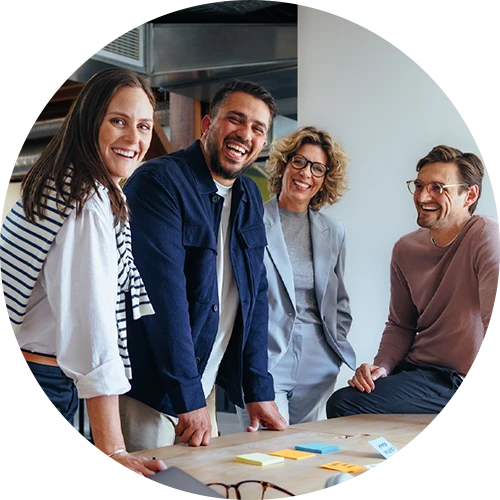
343 467
383 446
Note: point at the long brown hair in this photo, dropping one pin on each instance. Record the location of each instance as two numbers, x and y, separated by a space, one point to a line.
76 146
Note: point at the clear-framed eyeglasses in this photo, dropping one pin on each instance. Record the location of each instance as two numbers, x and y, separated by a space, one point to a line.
250 489
433 188
299 162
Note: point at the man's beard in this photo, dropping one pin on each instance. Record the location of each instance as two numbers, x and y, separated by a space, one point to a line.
216 165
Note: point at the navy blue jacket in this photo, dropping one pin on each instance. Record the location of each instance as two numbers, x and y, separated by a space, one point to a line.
174 216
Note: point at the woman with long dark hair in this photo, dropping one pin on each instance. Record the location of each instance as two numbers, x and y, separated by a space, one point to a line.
66 257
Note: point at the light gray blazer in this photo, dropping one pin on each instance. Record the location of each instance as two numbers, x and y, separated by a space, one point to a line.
328 246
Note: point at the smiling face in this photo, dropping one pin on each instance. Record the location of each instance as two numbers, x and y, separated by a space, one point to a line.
126 131
233 139
444 214
299 186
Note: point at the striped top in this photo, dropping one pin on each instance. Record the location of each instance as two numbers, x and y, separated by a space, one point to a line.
24 247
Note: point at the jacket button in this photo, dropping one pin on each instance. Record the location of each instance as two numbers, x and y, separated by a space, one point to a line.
198 360
215 198
215 308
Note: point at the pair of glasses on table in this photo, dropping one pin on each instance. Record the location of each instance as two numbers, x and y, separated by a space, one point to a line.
249 490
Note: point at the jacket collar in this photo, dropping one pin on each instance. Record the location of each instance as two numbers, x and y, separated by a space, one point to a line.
202 176
198 166
321 238
276 246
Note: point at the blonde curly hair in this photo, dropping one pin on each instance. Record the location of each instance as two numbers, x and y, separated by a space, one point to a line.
282 148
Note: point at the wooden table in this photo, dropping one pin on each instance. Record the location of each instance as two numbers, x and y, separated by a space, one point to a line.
414 434
216 462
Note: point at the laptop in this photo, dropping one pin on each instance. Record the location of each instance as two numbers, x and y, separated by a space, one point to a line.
180 480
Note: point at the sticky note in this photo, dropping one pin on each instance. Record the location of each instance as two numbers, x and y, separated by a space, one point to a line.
292 454
317 447
343 467
259 459
383 446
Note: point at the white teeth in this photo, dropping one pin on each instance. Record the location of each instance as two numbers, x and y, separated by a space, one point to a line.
122 152
236 148
429 208
301 184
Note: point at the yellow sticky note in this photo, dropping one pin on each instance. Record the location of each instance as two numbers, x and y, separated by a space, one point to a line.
293 454
343 467
258 459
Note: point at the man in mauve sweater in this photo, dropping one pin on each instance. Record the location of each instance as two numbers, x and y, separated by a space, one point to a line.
443 282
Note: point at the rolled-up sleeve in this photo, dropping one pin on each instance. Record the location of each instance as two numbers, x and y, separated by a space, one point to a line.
81 285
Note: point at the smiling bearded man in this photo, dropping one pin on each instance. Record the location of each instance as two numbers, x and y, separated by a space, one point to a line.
198 239
443 283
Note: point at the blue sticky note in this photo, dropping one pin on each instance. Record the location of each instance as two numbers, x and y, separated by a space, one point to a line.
383 446
317 447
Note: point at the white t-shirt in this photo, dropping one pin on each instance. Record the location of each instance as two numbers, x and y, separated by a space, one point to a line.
72 310
228 294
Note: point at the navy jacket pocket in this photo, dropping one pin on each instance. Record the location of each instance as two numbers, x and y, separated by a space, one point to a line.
254 236
200 247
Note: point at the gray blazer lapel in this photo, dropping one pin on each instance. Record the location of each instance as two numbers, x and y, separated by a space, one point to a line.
323 251
276 246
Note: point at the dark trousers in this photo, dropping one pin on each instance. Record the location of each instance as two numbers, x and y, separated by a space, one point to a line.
59 388
409 389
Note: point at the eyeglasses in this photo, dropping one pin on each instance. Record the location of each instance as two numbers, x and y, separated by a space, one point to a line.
248 489
433 188
299 162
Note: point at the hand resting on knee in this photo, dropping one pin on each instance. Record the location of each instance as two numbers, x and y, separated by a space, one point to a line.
365 377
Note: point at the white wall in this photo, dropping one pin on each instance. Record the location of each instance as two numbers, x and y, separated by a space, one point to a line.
388 113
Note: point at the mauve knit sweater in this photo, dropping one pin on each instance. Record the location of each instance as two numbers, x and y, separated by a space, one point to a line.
441 298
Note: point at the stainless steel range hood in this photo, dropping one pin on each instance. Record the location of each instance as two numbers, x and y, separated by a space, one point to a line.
195 59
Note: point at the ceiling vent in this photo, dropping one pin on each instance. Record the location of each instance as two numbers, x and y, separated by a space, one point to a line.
130 49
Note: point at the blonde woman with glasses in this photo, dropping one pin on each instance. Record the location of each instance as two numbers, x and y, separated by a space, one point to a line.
309 313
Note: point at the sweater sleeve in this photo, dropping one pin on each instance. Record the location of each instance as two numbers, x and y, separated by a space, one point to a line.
80 276
401 326
487 268
497 311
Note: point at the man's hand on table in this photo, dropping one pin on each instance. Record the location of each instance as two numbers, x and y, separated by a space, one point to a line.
365 377
194 427
265 413
141 465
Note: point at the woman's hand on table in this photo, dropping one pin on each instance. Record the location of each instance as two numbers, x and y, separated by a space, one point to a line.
137 467
365 377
